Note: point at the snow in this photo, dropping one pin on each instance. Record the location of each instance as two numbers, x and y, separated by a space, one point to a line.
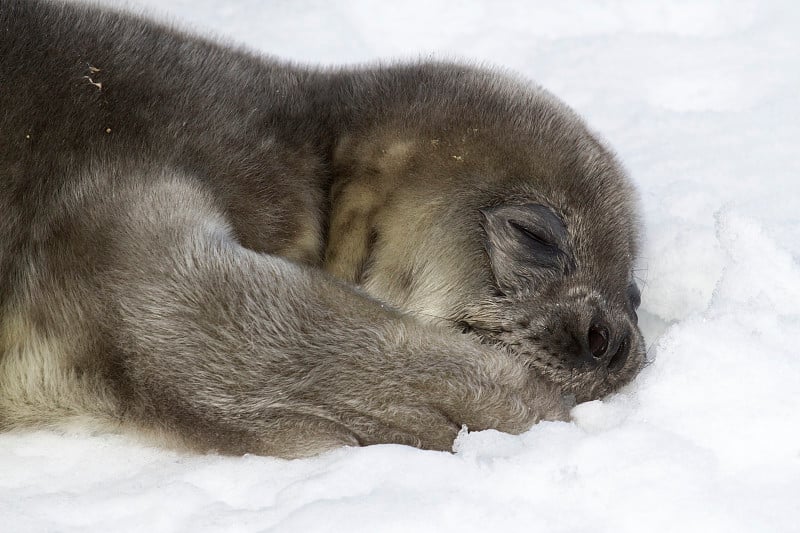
700 100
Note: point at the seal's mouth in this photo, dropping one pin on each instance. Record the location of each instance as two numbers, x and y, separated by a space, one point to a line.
588 382
601 367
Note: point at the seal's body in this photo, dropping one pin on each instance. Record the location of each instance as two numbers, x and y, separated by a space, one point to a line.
247 256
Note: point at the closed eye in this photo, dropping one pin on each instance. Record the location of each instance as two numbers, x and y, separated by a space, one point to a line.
537 238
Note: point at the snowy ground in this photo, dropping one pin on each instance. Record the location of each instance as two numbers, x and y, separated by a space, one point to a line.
701 102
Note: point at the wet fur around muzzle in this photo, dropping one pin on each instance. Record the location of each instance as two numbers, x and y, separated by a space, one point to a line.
553 339
225 252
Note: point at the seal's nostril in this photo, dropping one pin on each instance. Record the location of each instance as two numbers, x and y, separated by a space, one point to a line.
598 340
617 361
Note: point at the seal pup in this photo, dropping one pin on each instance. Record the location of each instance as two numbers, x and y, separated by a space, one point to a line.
227 252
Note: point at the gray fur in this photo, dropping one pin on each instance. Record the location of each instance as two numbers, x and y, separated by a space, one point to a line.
237 254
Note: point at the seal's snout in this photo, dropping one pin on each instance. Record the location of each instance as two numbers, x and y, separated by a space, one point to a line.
597 341
617 361
606 346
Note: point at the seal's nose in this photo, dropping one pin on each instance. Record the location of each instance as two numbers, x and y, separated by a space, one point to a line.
598 340
604 348
617 360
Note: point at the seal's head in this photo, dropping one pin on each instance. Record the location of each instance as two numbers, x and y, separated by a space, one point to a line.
490 206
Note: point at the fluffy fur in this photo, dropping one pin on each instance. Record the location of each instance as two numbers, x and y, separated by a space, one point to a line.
242 255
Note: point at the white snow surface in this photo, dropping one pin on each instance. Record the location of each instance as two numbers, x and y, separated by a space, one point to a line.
700 100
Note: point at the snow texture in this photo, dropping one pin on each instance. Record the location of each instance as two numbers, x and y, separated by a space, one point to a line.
701 101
